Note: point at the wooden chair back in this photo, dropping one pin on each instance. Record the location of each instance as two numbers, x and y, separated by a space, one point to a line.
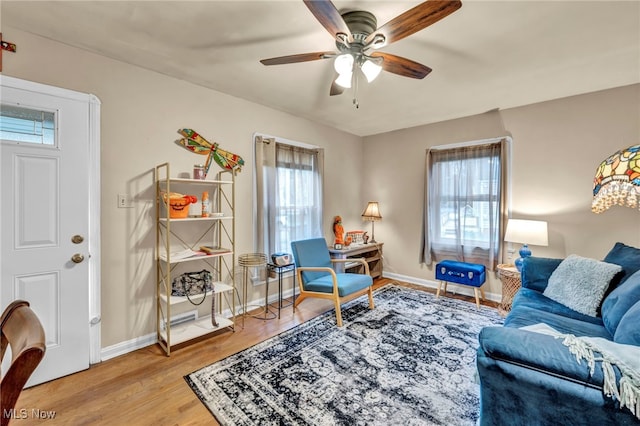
22 331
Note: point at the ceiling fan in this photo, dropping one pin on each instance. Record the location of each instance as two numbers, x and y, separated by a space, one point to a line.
356 33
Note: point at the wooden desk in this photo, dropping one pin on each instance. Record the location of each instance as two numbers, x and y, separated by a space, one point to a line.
371 252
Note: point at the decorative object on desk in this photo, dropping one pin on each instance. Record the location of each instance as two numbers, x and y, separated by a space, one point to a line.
617 181
360 380
178 204
357 237
194 142
365 238
338 231
526 232
372 214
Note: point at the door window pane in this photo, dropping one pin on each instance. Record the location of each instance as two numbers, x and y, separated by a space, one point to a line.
24 125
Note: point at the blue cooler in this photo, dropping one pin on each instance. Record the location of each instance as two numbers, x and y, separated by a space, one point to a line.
471 274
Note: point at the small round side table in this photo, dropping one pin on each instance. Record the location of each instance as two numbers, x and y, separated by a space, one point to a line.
252 260
510 278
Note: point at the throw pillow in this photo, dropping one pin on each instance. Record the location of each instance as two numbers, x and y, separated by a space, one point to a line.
579 283
618 302
626 256
628 332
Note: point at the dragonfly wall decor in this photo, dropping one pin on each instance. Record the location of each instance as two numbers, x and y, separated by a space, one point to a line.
194 142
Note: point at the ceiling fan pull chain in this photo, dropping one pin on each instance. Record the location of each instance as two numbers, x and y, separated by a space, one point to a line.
355 90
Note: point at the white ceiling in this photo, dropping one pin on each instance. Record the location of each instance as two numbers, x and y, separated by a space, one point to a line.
487 55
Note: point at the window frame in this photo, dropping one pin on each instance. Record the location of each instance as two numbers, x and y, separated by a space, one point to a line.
262 231
54 130
437 247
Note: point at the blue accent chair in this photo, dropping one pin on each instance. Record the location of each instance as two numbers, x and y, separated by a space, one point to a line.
317 278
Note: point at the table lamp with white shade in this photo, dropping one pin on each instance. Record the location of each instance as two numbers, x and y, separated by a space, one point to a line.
526 232
372 214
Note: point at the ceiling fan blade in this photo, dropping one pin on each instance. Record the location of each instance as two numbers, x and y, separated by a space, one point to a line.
402 66
302 57
327 14
414 20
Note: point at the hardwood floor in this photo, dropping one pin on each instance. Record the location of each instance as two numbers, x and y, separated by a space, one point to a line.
147 388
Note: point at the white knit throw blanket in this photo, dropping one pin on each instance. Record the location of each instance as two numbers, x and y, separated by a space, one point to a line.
625 357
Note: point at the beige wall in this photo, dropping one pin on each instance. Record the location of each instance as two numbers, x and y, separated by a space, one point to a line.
557 146
141 112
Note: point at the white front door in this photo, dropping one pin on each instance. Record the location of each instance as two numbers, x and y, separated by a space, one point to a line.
44 217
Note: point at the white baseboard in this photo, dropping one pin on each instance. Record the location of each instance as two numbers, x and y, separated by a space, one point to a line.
150 339
125 347
461 289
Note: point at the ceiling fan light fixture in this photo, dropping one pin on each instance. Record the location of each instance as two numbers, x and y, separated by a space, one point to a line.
371 70
344 64
344 80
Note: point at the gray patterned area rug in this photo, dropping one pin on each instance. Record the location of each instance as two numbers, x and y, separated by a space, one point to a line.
410 361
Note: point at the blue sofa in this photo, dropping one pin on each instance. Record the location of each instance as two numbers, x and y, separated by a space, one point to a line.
529 378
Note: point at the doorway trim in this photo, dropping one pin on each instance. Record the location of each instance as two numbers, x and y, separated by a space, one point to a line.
94 104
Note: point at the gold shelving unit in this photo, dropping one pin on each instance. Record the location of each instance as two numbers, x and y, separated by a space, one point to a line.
178 321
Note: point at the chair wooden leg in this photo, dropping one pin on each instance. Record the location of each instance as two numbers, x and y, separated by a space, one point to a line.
338 311
438 291
482 293
371 304
475 291
338 316
299 299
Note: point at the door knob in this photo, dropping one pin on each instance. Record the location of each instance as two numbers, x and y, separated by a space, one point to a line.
77 239
77 258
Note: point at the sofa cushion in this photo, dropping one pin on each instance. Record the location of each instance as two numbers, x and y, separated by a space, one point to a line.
539 352
522 316
628 332
626 256
536 300
618 302
580 283
536 272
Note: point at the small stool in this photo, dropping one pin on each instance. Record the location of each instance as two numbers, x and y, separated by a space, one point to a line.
470 274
